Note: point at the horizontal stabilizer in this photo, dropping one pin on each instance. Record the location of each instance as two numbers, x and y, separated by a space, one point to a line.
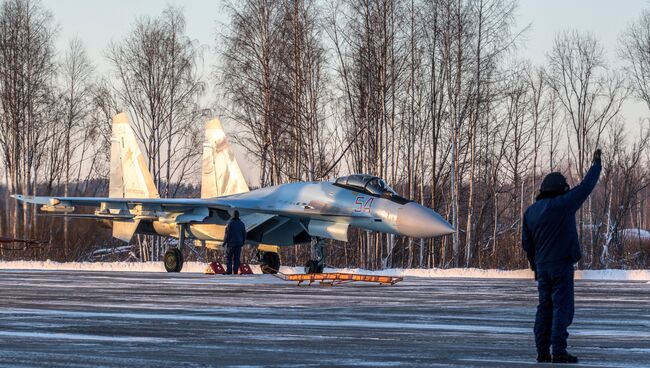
124 230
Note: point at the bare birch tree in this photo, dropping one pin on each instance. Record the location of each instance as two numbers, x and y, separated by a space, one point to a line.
636 51
590 96
26 75
75 100
158 81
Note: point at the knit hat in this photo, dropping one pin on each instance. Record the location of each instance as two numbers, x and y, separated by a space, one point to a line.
553 184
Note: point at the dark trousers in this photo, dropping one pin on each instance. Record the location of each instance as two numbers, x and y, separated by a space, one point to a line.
556 307
233 253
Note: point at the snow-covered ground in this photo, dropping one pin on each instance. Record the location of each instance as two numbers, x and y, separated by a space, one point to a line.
63 318
198 267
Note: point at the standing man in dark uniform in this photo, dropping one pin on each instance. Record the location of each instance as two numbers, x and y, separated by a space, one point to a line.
550 240
234 241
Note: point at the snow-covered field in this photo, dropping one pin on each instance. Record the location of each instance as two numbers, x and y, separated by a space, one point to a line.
197 267
73 318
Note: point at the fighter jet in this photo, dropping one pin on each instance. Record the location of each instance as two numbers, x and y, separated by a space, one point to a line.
276 216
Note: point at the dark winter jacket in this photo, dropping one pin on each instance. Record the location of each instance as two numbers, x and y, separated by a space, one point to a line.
235 233
549 233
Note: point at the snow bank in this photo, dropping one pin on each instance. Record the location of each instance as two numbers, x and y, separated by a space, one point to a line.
199 267
636 233
99 266
614 275
639 275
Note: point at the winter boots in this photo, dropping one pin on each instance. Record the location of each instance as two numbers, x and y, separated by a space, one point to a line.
560 358
565 358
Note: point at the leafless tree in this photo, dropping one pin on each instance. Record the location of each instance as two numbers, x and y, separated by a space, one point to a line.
493 39
625 178
158 81
423 93
252 80
591 97
75 101
26 75
636 51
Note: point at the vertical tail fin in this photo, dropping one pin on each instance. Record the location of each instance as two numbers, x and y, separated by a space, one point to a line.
129 175
220 172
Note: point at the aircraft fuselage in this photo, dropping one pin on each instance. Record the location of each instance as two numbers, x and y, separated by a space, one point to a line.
321 209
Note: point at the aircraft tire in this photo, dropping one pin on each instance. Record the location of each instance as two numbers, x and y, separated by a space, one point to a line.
270 263
173 260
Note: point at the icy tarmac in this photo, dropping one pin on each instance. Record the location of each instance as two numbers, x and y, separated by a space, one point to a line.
119 319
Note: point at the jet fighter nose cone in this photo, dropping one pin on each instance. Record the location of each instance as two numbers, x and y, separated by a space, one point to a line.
420 222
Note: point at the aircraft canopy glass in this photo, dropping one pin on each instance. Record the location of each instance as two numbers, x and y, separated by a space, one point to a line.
365 183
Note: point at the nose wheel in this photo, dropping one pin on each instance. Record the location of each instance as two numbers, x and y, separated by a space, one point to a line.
313 266
269 262
317 263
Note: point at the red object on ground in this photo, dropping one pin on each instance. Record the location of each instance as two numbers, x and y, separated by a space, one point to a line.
215 268
245 269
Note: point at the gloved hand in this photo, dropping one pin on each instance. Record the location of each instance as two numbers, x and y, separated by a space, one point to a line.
597 154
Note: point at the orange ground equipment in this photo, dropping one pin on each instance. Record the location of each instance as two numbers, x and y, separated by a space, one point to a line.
327 279
334 279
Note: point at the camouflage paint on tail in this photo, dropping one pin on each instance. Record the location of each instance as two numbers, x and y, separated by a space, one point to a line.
220 172
129 176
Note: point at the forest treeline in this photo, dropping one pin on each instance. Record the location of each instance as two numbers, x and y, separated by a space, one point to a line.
435 96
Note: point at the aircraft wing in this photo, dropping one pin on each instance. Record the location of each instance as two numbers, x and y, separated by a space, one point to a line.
97 201
110 207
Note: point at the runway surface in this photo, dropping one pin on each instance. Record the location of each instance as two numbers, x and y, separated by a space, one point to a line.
119 319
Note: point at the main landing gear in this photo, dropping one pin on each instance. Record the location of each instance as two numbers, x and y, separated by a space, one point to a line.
174 256
317 263
269 258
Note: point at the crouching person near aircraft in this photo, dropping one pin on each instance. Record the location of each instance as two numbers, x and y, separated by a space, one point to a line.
550 240
233 242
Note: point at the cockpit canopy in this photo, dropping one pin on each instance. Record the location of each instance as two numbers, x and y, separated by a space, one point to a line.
369 184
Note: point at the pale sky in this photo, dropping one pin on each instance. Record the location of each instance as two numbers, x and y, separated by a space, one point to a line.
96 23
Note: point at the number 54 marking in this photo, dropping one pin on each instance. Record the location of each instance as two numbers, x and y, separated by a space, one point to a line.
363 204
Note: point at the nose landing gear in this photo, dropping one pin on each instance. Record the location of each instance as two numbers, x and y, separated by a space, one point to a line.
317 263
269 258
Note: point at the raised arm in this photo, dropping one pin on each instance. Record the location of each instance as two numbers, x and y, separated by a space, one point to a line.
574 198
